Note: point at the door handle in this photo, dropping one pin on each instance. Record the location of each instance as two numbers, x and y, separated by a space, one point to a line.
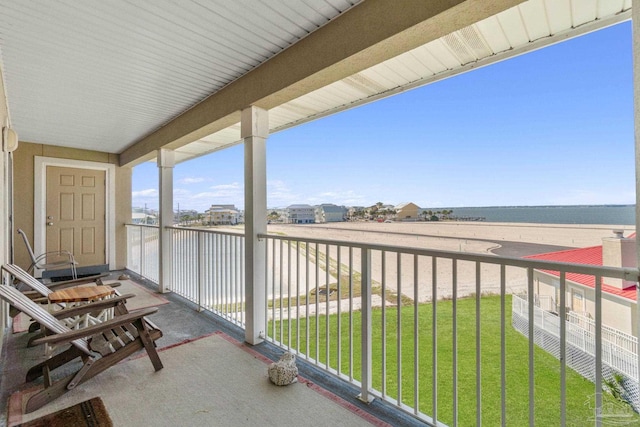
49 223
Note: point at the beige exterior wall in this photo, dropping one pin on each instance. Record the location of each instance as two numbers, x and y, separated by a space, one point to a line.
410 211
24 193
545 289
619 313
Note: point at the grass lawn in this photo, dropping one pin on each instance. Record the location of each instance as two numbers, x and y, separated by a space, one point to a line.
580 392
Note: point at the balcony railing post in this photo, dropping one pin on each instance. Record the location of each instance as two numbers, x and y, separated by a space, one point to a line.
200 270
142 259
365 355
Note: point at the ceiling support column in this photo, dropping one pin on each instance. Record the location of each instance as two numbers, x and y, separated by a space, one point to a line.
166 162
254 132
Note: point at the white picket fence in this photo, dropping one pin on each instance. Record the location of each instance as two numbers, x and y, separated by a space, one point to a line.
619 350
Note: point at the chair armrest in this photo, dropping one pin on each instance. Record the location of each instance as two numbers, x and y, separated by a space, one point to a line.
32 295
59 256
75 282
67 337
93 306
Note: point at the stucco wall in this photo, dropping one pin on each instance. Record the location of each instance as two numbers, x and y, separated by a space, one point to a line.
24 193
409 211
619 313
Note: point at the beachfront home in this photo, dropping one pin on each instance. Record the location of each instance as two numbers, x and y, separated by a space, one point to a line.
300 214
619 308
356 212
95 88
330 213
143 218
222 215
407 212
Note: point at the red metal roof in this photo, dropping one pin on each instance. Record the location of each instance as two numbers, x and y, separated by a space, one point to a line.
591 256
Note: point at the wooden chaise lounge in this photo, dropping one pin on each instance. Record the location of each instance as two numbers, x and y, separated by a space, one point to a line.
99 346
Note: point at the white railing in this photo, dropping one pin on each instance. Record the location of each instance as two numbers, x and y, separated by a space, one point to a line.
208 269
427 331
142 251
612 335
208 266
618 357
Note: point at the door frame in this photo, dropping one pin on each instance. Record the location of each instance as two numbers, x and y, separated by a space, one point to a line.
40 197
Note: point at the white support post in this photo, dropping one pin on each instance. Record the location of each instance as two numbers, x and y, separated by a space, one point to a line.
635 35
166 162
254 132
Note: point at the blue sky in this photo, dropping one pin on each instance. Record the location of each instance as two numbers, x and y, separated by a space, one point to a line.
552 127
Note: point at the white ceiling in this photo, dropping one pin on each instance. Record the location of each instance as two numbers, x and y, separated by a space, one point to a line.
102 75
531 25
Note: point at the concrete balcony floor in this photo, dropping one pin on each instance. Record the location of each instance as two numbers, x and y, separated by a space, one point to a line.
210 377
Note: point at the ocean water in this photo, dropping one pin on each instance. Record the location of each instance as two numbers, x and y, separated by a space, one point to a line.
603 214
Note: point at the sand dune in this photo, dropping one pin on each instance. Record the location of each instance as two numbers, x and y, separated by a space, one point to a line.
484 238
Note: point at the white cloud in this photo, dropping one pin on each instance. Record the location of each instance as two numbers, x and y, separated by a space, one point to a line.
181 192
342 197
148 197
190 180
280 195
223 187
232 193
151 192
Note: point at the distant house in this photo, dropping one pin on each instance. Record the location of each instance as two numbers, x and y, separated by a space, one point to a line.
222 215
354 212
143 218
300 214
330 213
618 296
407 212
185 216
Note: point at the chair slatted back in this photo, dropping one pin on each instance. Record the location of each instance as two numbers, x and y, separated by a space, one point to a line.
18 273
39 314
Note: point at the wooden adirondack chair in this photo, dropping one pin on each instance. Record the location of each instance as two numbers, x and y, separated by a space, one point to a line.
99 346
39 291
34 284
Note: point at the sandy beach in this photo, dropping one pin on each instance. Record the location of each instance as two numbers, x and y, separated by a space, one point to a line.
500 239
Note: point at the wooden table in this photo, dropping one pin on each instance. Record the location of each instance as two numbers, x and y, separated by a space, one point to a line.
80 295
